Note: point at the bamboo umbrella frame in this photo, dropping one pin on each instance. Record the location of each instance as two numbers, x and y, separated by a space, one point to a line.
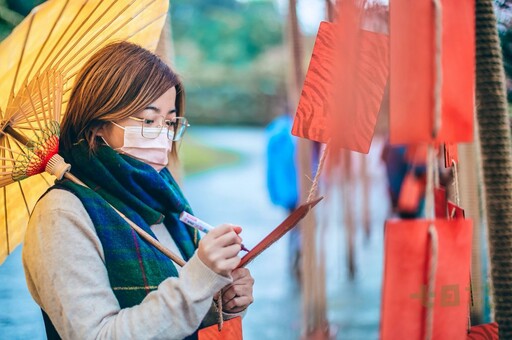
58 35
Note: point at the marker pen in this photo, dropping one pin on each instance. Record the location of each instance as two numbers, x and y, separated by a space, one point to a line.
198 224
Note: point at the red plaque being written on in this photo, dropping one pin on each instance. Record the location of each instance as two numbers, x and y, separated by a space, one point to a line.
285 226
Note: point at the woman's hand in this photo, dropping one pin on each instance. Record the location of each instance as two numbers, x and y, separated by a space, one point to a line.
238 296
220 247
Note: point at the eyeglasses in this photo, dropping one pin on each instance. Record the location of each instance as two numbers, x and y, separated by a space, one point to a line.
151 129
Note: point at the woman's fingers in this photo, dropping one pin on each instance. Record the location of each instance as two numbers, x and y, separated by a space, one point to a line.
238 295
219 249
228 239
223 229
237 304
241 273
236 291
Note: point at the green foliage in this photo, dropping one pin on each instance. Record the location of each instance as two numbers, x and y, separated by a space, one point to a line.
23 7
230 55
5 29
5 25
231 58
229 32
12 13
197 157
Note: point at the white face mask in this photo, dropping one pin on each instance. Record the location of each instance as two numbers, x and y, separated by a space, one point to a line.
150 151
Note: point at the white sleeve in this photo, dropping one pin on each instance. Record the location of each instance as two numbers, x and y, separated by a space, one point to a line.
67 277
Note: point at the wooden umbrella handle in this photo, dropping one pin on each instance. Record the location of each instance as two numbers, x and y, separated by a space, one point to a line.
153 241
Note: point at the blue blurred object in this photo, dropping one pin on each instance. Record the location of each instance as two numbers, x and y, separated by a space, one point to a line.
281 169
397 166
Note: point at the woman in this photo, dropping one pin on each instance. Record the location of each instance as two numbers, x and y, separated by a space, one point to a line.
92 275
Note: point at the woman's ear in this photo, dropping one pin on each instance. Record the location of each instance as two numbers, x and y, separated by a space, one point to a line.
99 131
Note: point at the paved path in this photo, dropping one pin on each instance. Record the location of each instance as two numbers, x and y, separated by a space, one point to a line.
237 194
20 317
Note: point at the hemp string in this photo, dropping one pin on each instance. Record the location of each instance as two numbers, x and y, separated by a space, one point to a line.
438 82
434 244
455 184
320 167
219 309
433 237
456 195
438 21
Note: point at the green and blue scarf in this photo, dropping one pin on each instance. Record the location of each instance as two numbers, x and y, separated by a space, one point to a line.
135 267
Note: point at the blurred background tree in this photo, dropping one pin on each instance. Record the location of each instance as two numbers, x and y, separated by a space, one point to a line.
230 54
232 60
12 12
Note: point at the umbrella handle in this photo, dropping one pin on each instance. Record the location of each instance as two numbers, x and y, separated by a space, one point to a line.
58 167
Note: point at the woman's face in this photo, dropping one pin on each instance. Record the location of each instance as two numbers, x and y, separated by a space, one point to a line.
161 109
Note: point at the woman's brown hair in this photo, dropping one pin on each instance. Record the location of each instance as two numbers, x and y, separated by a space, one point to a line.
118 81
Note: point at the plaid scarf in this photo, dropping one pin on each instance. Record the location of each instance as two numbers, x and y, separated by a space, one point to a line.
135 267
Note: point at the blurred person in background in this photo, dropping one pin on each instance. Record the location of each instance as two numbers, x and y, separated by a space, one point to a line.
281 177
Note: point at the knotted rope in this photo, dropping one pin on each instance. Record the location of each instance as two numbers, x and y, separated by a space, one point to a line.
497 160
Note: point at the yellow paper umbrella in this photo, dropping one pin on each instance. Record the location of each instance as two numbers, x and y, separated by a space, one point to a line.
62 34
44 52
29 133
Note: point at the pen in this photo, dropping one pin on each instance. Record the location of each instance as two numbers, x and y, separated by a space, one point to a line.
200 225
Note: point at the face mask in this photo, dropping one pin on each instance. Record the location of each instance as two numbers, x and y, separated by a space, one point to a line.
150 151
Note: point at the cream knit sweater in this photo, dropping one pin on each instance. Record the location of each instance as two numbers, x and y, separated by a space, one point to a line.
66 275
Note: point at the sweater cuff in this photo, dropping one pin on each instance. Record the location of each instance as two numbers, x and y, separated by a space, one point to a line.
198 278
228 316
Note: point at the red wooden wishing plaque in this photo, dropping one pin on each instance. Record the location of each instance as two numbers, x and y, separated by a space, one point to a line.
445 209
231 330
488 331
285 226
412 50
348 119
405 296
440 202
454 211
450 155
